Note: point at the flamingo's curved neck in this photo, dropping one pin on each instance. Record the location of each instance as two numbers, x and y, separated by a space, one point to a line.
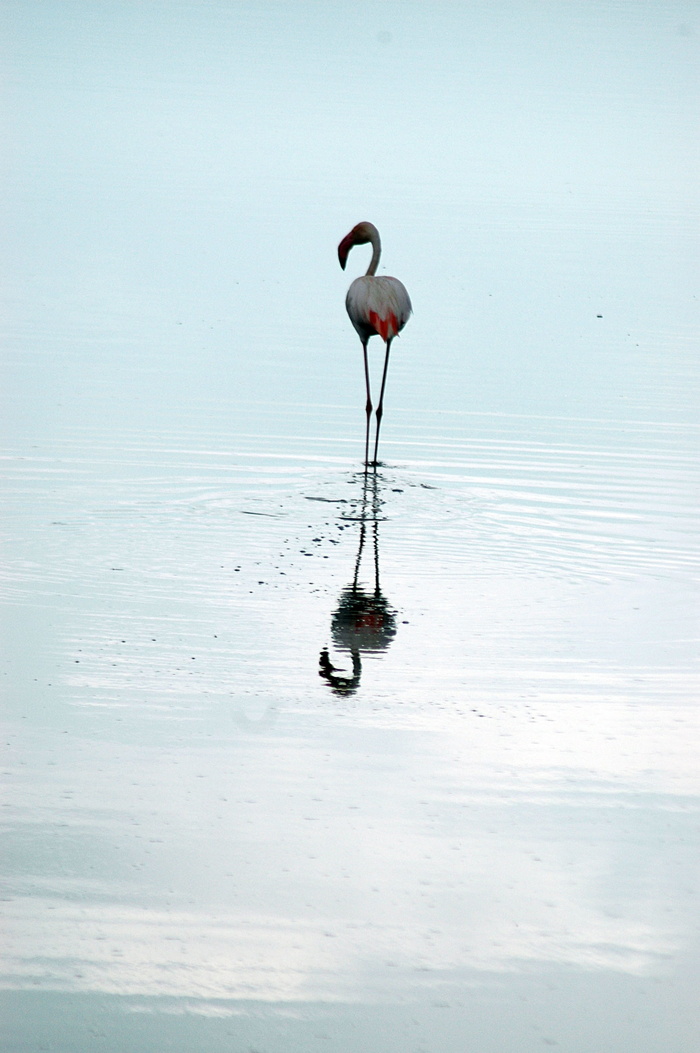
376 252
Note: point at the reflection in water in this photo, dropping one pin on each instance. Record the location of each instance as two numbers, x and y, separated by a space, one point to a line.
363 619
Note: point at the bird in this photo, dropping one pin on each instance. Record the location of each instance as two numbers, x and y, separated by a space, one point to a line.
377 306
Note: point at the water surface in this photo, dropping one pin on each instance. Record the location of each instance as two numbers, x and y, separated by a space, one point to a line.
300 758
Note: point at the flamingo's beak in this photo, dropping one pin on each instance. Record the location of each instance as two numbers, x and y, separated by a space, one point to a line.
344 248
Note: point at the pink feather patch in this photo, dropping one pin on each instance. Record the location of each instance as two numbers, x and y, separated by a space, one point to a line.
386 327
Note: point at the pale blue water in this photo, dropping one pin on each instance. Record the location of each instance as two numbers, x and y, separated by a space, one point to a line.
476 830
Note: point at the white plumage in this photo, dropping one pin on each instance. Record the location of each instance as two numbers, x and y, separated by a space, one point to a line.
378 305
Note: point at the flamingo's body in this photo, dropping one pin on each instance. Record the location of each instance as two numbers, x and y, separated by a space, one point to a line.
376 306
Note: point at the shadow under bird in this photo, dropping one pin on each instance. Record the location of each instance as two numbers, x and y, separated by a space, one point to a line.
377 306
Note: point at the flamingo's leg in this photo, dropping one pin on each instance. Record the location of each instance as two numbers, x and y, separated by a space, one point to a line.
380 407
368 406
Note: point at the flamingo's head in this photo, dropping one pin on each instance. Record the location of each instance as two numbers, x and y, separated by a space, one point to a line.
359 235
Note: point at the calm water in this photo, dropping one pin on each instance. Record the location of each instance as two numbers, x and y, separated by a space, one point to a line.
298 760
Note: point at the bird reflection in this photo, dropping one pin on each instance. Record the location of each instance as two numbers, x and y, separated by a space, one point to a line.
363 621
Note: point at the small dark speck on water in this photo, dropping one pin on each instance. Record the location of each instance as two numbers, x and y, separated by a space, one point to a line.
329 500
599 316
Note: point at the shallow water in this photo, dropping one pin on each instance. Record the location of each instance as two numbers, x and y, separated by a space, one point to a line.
298 758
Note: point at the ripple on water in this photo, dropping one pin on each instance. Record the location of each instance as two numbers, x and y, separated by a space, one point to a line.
617 502
590 510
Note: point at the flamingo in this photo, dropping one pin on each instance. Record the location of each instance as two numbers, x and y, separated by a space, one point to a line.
377 306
